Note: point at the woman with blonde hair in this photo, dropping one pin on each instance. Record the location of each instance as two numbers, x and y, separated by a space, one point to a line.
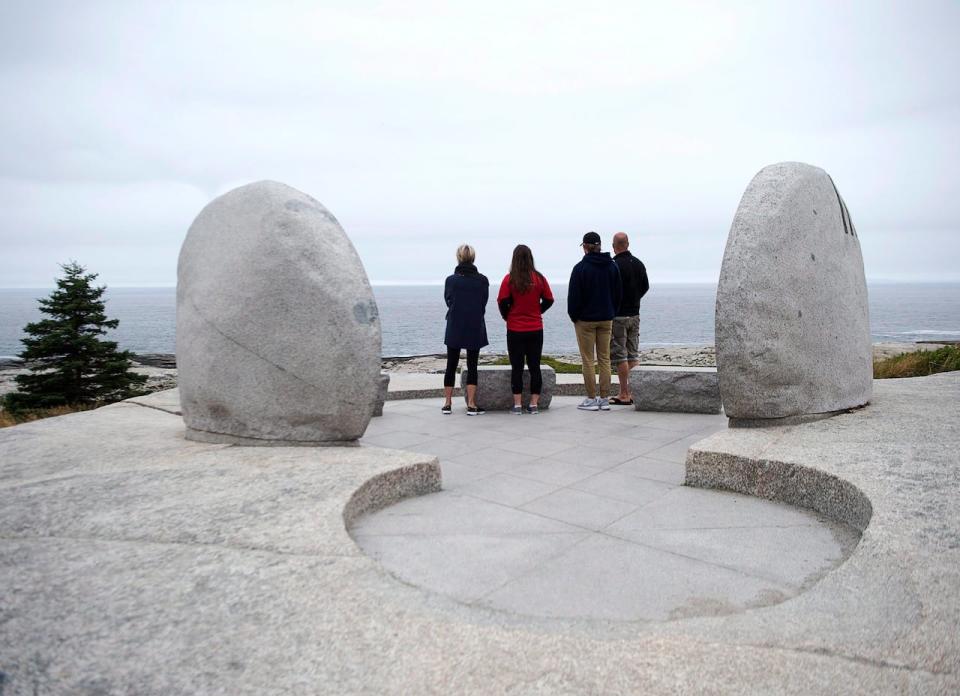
466 293
523 298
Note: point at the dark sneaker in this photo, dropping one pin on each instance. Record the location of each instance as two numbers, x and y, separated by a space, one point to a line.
533 410
475 411
446 410
516 411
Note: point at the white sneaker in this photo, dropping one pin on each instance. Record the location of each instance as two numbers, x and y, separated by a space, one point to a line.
604 404
589 405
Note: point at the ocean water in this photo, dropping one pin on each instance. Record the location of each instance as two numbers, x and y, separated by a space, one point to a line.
413 317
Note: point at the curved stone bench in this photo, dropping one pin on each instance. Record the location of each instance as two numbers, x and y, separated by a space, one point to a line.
675 389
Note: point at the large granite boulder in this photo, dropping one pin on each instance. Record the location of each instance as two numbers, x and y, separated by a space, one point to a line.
792 325
675 389
278 335
494 392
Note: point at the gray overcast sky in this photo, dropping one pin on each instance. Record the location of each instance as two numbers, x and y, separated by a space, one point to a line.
423 125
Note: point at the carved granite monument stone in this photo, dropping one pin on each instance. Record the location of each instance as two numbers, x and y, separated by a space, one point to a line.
792 325
278 335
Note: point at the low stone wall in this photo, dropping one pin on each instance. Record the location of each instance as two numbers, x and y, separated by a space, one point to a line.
680 390
392 486
495 394
785 482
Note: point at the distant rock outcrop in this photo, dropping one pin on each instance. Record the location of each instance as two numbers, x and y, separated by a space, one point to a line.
165 360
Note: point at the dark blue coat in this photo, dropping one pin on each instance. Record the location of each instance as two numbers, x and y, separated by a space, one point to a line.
466 293
595 288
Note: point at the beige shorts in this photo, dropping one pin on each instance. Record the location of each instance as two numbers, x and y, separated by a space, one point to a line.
625 339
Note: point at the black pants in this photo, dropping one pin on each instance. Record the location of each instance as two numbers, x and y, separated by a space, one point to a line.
525 345
453 359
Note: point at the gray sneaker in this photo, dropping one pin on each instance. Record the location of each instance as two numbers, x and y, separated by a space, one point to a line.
589 405
516 411
604 404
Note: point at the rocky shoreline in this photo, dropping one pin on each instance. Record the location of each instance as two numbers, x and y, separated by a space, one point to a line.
691 356
161 371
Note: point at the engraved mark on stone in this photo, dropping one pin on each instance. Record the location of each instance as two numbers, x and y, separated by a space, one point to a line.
248 349
799 314
843 208
365 312
853 230
848 223
813 257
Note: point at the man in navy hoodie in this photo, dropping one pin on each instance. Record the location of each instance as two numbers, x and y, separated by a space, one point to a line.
592 300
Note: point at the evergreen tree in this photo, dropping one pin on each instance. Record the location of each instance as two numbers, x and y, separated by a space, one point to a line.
69 364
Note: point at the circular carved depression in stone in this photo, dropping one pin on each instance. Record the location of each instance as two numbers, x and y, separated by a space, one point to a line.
574 515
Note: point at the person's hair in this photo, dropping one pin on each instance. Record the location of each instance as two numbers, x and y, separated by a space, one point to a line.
592 247
521 269
624 241
465 254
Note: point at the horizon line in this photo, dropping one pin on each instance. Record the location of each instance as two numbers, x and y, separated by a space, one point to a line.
437 283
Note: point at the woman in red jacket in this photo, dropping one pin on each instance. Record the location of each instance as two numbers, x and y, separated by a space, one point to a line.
524 296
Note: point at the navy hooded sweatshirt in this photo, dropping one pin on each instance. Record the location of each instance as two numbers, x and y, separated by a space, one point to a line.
595 288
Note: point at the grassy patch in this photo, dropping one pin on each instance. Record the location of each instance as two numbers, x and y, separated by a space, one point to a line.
559 366
7 418
919 363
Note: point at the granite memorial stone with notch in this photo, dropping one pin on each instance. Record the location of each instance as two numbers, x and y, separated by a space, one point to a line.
792 325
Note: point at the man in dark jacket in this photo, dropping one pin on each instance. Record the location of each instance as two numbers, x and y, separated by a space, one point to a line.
592 300
625 342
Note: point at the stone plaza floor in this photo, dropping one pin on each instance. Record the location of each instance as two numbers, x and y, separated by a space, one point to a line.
134 561
573 514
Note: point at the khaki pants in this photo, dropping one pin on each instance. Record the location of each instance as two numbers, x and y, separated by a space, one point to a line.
595 335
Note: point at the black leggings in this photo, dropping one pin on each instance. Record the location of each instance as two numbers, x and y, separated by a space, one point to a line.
453 359
529 345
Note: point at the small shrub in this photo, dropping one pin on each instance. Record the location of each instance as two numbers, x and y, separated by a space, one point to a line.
918 363
69 363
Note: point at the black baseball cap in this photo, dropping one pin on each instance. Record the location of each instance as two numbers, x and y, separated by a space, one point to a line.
591 238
